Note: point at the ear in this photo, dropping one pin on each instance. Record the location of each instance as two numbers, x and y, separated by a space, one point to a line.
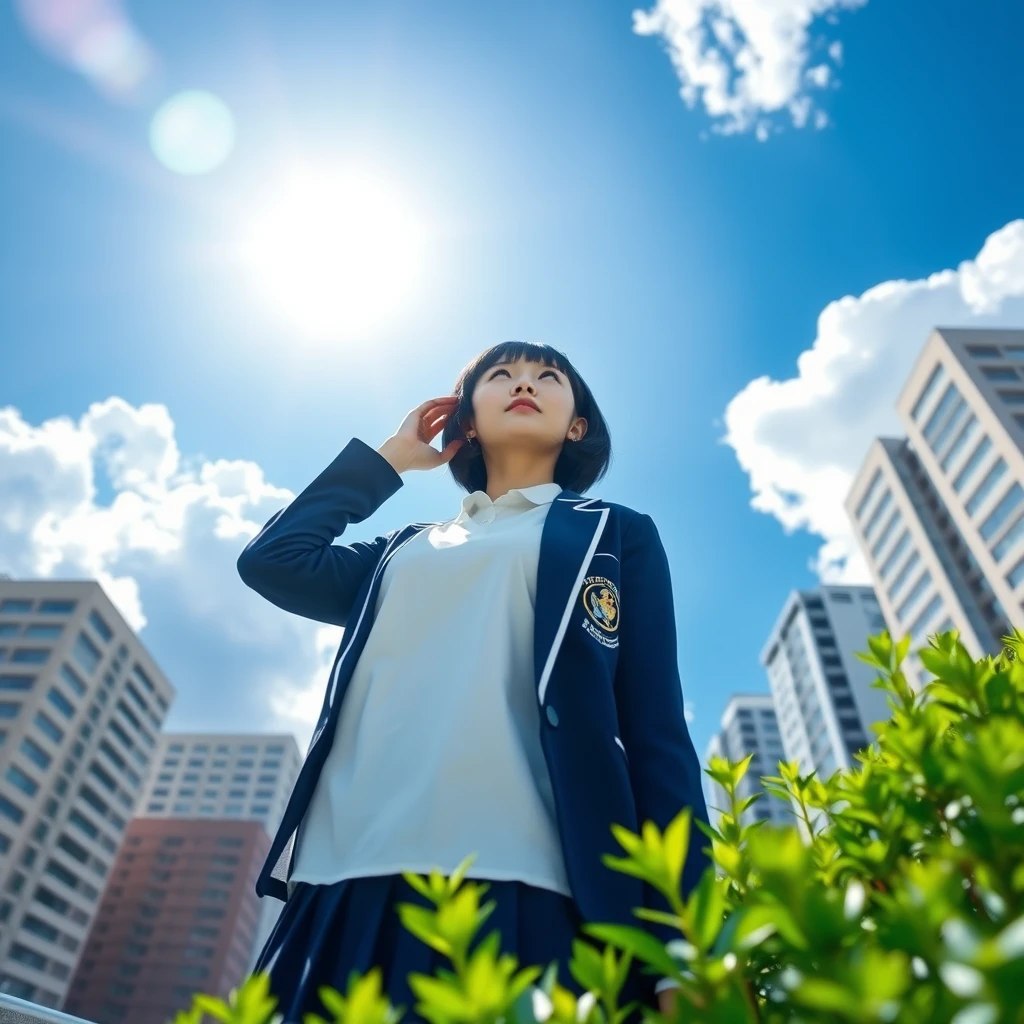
580 426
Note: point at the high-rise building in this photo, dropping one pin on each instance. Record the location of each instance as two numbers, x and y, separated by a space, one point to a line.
226 775
81 707
222 775
940 514
179 916
823 694
749 726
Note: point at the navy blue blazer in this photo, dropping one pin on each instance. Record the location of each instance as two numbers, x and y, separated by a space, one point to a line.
612 727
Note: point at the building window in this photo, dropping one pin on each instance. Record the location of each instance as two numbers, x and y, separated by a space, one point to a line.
55 607
70 676
949 396
918 624
1007 505
97 623
30 655
35 753
999 372
86 653
1016 574
936 377
10 681
903 574
883 504
916 591
11 810
18 778
48 728
972 464
992 477
60 702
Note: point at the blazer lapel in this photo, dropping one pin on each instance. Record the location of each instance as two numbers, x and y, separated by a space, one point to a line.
572 530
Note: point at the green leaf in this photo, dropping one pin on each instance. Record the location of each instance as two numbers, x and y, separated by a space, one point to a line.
640 943
704 911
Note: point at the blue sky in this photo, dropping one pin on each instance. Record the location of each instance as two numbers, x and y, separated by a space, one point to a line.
155 410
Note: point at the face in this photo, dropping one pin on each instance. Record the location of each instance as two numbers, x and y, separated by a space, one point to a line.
524 403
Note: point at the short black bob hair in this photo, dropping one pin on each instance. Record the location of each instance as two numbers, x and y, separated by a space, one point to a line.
581 463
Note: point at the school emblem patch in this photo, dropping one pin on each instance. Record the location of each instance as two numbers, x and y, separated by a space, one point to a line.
601 603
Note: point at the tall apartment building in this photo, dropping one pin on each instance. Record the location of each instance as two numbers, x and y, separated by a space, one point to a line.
749 726
222 775
823 694
81 707
226 775
179 916
940 514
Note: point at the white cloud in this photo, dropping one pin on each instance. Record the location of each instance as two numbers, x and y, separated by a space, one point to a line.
819 76
744 59
801 440
110 497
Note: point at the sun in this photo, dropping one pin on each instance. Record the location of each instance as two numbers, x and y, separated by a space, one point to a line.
334 251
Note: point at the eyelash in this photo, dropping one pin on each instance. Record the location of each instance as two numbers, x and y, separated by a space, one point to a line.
496 372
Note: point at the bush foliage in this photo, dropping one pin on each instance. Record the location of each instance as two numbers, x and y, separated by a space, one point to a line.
897 898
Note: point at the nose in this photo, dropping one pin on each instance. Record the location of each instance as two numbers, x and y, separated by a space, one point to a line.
528 385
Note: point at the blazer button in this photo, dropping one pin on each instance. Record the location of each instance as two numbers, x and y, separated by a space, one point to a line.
552 715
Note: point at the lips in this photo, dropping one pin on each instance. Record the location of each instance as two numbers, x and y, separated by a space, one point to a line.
523 401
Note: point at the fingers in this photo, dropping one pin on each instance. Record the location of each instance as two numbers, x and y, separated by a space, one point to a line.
434 426
445 401
449 451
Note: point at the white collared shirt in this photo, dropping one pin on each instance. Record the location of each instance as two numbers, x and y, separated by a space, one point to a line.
437 749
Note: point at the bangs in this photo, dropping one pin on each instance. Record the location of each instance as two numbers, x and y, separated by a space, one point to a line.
510 351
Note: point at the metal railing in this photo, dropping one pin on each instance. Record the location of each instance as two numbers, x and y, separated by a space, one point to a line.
21 1011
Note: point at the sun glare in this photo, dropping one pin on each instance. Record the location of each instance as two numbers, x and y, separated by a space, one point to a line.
334 251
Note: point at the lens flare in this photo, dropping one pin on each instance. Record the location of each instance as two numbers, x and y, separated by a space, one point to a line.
192 132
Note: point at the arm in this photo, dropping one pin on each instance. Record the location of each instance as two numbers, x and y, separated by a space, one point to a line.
292 561
664 767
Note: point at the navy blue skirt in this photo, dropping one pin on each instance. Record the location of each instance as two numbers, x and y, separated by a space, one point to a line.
325 932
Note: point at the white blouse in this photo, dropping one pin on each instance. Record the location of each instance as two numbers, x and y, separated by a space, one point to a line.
437 749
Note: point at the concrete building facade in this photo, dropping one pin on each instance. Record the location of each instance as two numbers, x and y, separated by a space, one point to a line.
940 514
81 707
823 694
749 727
179 916
227 776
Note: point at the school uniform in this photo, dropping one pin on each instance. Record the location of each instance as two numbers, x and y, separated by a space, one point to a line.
506 686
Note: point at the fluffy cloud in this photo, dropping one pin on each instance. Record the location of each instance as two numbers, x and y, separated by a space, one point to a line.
746 60
110 497
802 440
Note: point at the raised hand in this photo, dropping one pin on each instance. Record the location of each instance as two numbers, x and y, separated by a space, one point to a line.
409 447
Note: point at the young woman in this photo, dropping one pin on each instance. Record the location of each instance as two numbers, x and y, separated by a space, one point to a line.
507 686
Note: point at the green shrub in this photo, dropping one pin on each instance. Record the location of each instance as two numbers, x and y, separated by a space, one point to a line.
897 898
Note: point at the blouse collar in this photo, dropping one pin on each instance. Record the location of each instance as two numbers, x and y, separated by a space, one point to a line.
479 503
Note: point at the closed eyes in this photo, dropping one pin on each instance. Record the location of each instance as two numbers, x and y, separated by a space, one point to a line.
503 370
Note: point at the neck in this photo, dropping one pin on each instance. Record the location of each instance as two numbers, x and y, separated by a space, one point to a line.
508 469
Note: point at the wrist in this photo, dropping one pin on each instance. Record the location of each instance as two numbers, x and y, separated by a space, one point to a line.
393 452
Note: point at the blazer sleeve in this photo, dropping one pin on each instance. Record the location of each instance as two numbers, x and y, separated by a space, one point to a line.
663 764
292 561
